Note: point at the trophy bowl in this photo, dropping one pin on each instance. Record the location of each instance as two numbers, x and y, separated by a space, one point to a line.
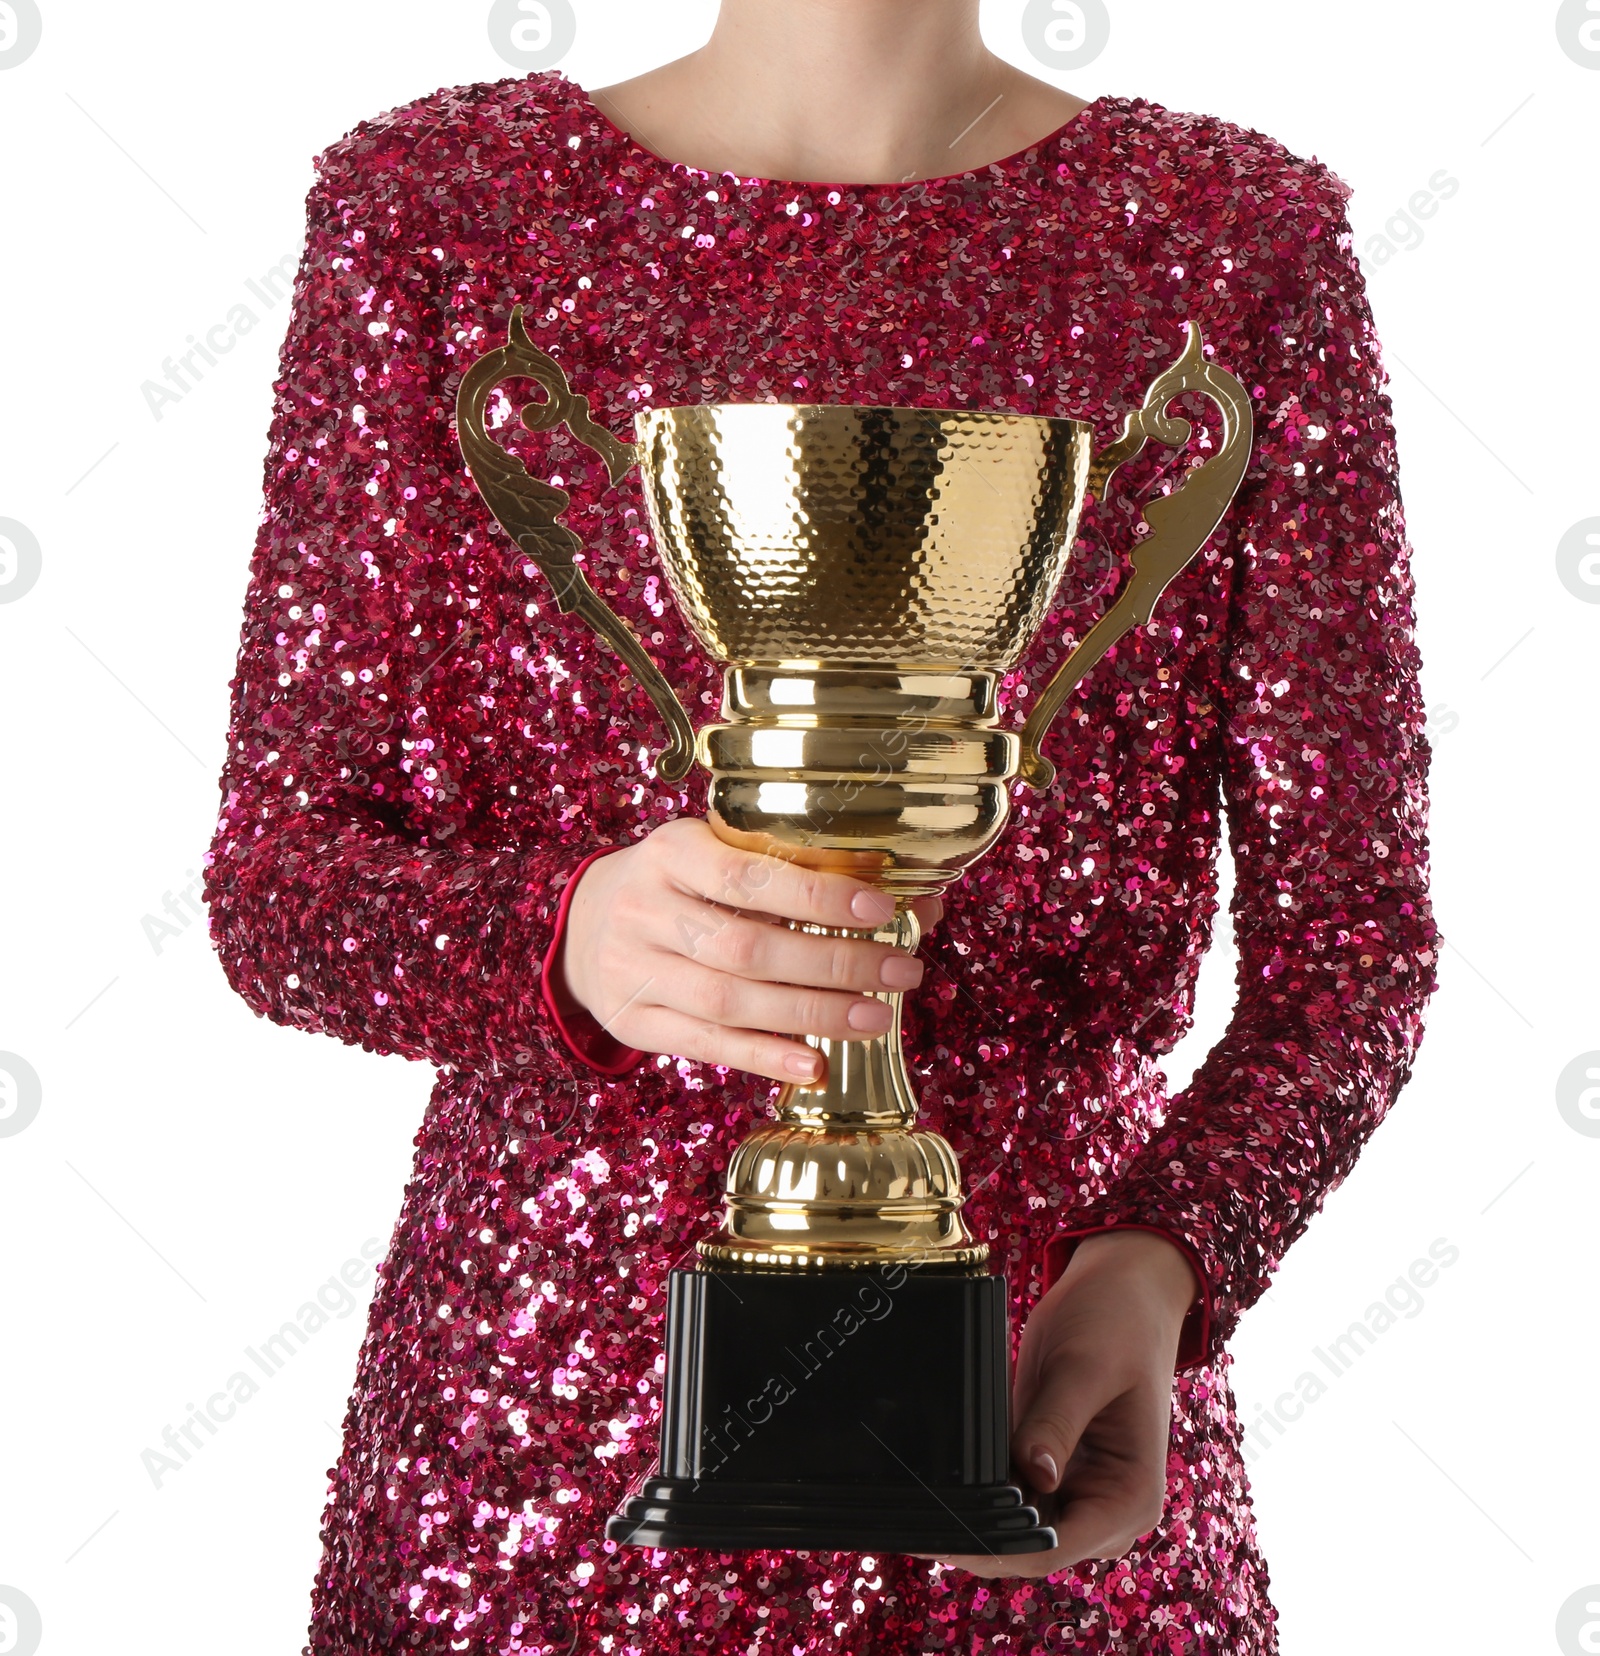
866 574
863 575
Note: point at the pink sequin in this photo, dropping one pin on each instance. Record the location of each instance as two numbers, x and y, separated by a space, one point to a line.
423 749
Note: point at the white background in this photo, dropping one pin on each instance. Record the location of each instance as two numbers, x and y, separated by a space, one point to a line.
194 1174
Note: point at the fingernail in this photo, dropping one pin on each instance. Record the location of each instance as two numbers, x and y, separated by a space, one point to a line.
869 1016
1044 1466
803 1064
874 906
900 972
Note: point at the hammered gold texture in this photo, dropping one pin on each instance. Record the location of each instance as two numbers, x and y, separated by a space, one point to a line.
893 536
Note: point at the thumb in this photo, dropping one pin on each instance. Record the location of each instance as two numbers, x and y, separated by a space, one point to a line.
1062 1402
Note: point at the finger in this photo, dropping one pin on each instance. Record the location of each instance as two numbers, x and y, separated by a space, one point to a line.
705 867
1113 1487
1054 1403
731 1002
1075 1549
1104 1526
656 1029
929 912
1020 1566
756 948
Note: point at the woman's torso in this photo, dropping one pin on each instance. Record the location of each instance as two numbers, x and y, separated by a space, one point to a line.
544 1212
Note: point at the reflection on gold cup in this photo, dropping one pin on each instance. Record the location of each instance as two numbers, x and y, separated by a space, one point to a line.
864 575
867 572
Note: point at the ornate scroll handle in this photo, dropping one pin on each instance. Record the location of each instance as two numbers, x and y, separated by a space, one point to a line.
1180 523
529 509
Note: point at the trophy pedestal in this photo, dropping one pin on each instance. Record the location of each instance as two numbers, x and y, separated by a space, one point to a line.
834 1411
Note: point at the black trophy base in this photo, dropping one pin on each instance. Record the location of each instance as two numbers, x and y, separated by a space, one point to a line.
834 1411
734 1517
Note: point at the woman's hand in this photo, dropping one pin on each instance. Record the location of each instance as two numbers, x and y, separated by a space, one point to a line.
673 945
1093 1399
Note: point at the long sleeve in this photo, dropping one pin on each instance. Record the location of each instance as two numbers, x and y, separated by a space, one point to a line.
1323 768
365 879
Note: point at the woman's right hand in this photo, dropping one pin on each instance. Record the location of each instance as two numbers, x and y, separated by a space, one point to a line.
676 945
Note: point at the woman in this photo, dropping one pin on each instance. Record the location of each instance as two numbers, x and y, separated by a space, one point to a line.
442 835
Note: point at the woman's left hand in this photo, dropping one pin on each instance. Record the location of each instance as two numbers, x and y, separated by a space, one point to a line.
1093 1399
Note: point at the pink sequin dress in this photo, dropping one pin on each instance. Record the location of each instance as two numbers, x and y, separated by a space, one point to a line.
423 750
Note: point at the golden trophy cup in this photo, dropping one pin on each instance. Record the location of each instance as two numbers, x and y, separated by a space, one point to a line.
838 1361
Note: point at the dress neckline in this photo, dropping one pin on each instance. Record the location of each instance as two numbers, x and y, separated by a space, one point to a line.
1068 129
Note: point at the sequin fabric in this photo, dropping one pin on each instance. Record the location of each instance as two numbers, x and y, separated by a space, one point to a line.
422 749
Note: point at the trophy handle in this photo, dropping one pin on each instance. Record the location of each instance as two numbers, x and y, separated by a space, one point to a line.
529 509
1180 523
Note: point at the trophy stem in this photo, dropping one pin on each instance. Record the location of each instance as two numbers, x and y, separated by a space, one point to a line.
843 1178
866 1085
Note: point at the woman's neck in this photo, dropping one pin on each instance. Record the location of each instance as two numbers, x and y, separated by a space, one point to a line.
858 91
